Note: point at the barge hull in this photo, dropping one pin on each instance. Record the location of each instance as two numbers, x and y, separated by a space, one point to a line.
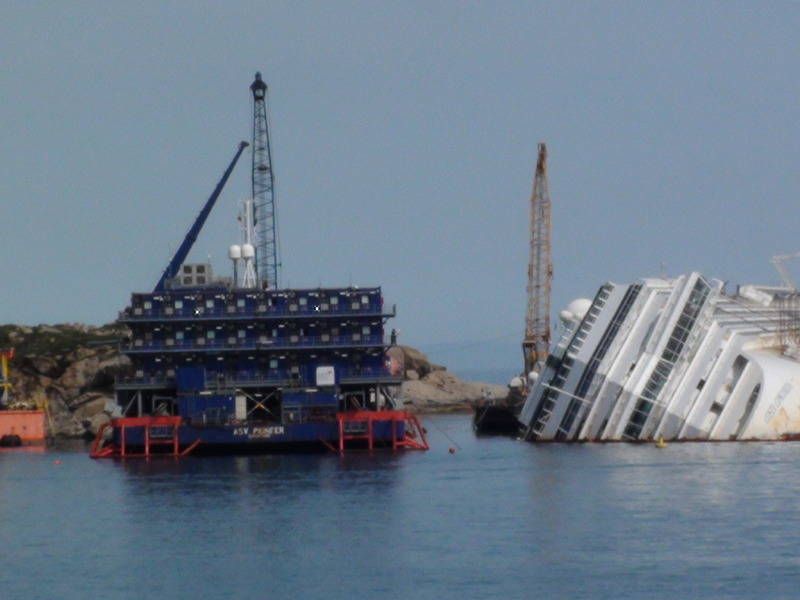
169 436
27 425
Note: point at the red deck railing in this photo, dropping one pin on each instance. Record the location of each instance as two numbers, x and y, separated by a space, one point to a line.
148 423
413 434
357 425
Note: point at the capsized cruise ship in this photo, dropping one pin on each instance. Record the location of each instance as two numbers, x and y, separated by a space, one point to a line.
678 359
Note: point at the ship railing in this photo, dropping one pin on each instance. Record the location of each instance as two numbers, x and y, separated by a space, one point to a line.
360 425
251 344
231 380
135 314
212 379
305 377
366 373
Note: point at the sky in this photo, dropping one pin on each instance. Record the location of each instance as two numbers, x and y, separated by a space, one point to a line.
404 139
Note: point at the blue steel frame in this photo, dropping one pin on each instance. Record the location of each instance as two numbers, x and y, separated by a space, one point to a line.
259 343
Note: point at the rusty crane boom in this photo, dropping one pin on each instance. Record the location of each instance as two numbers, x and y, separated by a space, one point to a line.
540 271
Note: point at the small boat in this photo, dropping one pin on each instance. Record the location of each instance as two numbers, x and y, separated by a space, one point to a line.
500 418
18 424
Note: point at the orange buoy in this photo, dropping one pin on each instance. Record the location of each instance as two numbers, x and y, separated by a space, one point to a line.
452 450
58 462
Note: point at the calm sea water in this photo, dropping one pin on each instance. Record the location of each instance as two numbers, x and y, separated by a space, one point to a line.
496 519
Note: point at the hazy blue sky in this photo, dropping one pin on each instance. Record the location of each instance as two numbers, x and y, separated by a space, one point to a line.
404 138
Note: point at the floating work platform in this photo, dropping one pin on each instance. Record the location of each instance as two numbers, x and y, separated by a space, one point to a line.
152 436
235 364
245 369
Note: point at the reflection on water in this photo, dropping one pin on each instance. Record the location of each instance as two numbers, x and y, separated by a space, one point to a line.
32 449
277 485
497 518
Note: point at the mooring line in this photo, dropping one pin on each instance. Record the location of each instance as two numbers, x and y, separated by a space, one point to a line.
447 436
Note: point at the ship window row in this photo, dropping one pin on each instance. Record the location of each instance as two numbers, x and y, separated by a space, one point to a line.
190 269
638 417
589 320
257 303
343 327
275 297
548 400
669 358
551 393
312 333
335 357
608 338
242 333
262 367
587 378
341 358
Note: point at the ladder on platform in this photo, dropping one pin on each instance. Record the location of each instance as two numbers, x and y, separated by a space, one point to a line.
359 425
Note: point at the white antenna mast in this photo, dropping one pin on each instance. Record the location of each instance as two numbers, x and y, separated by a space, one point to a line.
249 279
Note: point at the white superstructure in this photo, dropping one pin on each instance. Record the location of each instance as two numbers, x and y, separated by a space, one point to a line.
677 359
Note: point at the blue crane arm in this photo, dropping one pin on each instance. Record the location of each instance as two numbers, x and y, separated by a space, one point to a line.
180 256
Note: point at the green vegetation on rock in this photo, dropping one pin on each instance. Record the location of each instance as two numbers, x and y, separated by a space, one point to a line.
52 340
69 368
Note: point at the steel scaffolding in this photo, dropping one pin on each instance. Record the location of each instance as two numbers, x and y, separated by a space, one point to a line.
264 216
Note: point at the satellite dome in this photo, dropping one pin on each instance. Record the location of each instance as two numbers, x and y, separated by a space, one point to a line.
248 251
517 382
577 308
532 377
235 252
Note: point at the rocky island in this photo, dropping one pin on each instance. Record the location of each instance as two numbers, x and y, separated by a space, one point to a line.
69 370
428 387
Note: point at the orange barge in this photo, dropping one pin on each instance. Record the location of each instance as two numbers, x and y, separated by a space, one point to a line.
21 427
17 427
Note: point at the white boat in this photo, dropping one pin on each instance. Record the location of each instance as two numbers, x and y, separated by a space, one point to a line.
671 359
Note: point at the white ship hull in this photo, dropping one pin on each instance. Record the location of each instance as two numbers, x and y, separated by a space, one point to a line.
676 359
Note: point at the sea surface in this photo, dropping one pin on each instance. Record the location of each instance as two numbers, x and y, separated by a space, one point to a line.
496 518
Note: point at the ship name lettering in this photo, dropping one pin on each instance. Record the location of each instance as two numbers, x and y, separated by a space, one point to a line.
787 387
265 432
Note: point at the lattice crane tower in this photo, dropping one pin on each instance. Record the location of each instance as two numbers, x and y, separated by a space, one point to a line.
540 271
264 217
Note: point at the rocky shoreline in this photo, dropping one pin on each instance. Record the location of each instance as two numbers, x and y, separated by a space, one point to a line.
429 388
69 370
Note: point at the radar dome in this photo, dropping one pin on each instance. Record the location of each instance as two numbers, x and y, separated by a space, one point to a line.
248 251
235 252
576 309
517 383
